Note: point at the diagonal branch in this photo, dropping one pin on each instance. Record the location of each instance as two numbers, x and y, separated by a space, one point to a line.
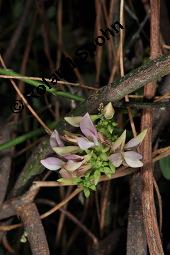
34 229
153 70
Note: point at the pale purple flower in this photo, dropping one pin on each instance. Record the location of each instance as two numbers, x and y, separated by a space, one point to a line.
89 130
59 147
69 162
71 166
124 153
52 163
55 140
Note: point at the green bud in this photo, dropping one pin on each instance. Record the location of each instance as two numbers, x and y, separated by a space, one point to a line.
104 156
96 176
110 129
93 187
108 111
86 192
112 167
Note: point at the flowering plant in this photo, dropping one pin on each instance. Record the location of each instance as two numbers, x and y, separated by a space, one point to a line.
96 150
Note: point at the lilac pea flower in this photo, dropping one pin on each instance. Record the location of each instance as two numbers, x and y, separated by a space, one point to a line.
58 145
124 153
89 130
68 161
55 140
52 163
77 173
67 168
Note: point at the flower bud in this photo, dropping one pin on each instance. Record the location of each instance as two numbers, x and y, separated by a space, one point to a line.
108 111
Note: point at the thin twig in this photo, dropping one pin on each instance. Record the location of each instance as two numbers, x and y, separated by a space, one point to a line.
40 79
63 202
122 35
123 171
159 203
26 103
83 227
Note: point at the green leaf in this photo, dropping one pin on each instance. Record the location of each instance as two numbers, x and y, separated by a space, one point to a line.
86 192
110 129
96 176
109 175
104 156
108 172
112 167
93 187
165 167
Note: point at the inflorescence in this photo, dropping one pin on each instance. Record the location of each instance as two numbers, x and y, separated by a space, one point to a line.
94 151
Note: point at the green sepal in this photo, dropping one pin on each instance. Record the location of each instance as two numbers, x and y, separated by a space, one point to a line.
86 192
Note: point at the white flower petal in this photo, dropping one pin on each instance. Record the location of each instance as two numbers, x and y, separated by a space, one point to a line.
119 142
84 143
131 160
52 163
62 151
133 155
136 140
116 159
71 165
74 121
55 139
87 127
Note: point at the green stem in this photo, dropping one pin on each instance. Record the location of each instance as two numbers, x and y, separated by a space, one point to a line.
53 90
24 137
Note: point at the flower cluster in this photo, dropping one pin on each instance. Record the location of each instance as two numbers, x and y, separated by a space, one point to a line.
94 151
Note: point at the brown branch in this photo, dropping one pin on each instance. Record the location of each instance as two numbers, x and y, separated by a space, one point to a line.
7 209
148 205
33 227
72 218
152 71
5 161
136 238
